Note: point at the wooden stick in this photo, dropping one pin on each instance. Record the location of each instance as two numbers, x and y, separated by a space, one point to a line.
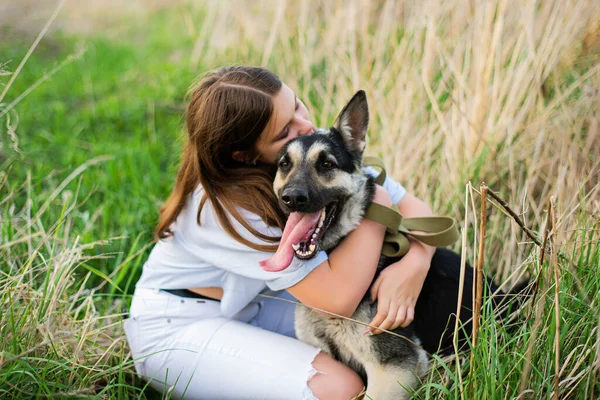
514 216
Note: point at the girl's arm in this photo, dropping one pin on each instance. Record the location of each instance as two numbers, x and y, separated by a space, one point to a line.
398 286
339 284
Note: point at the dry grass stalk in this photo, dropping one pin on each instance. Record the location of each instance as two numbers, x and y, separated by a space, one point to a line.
538 306
461 287
478 281
556 299
542 253
596 364
515 217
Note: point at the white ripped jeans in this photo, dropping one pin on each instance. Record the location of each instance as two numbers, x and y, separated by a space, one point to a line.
187 348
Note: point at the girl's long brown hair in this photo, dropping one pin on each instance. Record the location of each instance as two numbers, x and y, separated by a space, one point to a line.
228 110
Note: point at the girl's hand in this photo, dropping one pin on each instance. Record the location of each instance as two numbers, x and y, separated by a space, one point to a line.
398 287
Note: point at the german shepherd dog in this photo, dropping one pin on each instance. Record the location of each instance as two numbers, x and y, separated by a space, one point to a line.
320 183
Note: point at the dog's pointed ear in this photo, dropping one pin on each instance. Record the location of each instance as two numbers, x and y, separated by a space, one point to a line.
354 120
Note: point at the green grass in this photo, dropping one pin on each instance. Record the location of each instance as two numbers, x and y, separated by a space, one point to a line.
96 148
500 357
113 101
119 110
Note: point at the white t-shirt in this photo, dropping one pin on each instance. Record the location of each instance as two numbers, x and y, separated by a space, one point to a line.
203 255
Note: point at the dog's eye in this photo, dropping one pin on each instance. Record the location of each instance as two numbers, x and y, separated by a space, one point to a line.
328 165
284 164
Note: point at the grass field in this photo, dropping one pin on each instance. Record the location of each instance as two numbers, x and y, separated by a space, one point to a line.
501 92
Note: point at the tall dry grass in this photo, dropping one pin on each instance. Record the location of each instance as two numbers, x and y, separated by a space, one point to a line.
504 91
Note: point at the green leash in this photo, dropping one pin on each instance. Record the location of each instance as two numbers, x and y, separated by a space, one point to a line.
438 231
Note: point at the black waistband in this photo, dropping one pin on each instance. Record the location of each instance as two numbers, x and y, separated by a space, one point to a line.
188 293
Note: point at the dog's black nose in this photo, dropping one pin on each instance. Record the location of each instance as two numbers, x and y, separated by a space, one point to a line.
295 198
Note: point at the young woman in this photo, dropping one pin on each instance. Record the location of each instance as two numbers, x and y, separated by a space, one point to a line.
197 326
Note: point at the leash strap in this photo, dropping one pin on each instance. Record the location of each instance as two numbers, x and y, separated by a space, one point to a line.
376 162
433 231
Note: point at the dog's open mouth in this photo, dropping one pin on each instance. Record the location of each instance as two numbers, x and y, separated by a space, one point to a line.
301 237
309 246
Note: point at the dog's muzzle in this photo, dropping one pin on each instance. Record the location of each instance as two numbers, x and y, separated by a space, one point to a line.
295 199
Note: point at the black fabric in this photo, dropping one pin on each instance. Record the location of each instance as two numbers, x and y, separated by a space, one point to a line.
188 293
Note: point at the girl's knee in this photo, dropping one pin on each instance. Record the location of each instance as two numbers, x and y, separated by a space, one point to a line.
334 380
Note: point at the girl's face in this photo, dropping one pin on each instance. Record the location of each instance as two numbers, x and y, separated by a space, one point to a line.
290 119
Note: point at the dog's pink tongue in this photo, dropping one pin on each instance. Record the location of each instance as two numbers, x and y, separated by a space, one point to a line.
296 229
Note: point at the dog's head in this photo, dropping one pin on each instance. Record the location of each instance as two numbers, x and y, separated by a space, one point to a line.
321 186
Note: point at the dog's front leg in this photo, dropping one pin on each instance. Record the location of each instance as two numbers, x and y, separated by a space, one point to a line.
389 382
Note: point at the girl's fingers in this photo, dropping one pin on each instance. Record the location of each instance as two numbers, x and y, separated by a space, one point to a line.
375 289
387 323
410 316
382 313
400 317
